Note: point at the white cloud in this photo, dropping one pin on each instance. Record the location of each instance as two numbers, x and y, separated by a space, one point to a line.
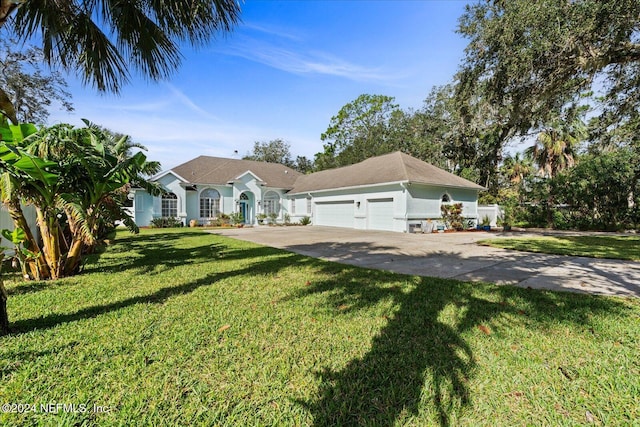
273 31
289 59
187 102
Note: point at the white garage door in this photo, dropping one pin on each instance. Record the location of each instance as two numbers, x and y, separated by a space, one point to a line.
335 214
380 214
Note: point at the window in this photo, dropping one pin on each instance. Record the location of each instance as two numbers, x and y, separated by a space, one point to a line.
209 203
271 203
139 202
293 206
169 205
309 205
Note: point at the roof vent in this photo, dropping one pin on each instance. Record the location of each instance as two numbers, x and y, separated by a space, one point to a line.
286 171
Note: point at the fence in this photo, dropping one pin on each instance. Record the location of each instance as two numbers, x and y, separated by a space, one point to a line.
491 211
7 222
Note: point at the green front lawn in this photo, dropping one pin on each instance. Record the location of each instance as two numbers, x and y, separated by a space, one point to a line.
614 246
189 328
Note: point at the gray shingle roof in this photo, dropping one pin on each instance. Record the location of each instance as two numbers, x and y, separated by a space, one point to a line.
393 167
218 170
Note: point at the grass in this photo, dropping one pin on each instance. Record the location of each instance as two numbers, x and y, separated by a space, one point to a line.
616 247
189 328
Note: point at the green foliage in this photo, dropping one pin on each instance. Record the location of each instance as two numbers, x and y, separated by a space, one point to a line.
601 192
452 216
305 220
18 237
144 36
557 145
373 125
303 165
278 151
30 89
532 62
72 176
165 222
236 218
168 322
357 132
287 219
274 151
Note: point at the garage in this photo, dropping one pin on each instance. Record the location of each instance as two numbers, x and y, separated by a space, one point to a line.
380 214
335 214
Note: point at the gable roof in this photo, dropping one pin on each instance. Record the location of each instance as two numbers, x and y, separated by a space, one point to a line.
393 167
221 171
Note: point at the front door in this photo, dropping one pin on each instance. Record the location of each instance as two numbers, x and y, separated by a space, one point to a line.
245 208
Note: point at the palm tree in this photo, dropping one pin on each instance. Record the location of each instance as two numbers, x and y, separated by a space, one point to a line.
556 149
516 168
556 146
102 40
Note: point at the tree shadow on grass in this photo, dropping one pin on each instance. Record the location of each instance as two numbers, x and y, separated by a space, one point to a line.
153 254
161 295
146 252
14 360
420 361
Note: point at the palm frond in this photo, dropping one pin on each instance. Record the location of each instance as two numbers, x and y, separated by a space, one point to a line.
77 215
143 35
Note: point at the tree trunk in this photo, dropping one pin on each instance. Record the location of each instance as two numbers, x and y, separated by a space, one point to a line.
550 202
75 250
73 257
50 242
38 267
4 316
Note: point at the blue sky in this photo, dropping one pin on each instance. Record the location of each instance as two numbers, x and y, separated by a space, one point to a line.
283 73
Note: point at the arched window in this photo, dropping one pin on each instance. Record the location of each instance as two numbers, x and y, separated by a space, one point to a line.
446 198
169 205
271 203
209 203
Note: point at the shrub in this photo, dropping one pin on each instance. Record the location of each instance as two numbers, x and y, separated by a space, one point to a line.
452 215
236 218
165 222
305 220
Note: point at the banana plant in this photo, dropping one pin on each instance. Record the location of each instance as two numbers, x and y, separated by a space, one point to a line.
71 176
23 255
11 136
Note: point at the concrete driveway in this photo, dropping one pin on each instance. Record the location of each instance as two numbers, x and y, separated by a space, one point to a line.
451 255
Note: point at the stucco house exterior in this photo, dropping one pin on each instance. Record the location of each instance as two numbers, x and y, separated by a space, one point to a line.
202 188
393 192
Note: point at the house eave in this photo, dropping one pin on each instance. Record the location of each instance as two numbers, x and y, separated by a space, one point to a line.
161 174
382 184
352 187
463 187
